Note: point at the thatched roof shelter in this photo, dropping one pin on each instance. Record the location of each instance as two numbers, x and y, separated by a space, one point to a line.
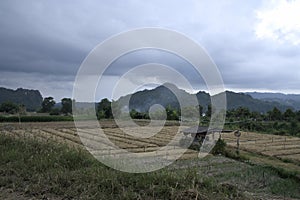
201 131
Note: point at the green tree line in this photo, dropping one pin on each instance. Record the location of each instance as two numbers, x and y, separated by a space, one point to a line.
273 121
48 106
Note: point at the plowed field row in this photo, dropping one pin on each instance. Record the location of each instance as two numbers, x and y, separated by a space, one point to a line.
97 144
284 147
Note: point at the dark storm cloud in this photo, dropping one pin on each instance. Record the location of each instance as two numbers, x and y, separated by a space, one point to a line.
29 44
48 40
39 55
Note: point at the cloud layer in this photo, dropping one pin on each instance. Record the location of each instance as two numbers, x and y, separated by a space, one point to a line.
254 44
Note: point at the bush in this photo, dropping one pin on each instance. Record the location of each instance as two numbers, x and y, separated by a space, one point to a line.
35 118
219 148
54 111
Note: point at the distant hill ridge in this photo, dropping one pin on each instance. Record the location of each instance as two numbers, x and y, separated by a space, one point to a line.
32 99
291 100
143 100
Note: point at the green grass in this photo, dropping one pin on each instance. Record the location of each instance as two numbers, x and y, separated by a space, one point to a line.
274 177
263 180
49 170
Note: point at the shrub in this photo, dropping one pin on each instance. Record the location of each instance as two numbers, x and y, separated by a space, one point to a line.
35 118
219 148
55 111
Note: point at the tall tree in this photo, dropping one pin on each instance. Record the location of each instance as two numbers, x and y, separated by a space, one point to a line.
242 112
298 115
209 111
47 104
289 114
22 109
138 115
190 112
275 114
9 107
294 127
172 114
104 109
66 104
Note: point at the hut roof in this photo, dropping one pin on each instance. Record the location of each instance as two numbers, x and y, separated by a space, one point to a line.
202 130
196 129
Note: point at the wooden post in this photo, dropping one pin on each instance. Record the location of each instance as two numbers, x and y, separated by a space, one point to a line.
238 145
237 134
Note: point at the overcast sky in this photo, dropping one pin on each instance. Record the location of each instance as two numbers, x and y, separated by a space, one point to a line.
255 44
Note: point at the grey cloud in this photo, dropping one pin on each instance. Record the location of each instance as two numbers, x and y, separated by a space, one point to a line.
52 38
48 85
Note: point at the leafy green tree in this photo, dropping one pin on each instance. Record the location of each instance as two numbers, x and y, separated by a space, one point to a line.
219 147
190 112
172 114
230 114
298 115
47 104
275 114
294 127
256 116
116 108
66 106
242 113
22 109
158 115
209 111
9 107
104 109
54 111
200 109
289 114
134 114
100 114
138 115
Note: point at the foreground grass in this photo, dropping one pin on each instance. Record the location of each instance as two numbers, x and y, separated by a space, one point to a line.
285 168
48 170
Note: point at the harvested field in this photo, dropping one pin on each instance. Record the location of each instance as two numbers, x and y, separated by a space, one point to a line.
283 147
65 132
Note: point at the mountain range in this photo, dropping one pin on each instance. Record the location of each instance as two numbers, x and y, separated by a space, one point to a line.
166 95
291 100
143 100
